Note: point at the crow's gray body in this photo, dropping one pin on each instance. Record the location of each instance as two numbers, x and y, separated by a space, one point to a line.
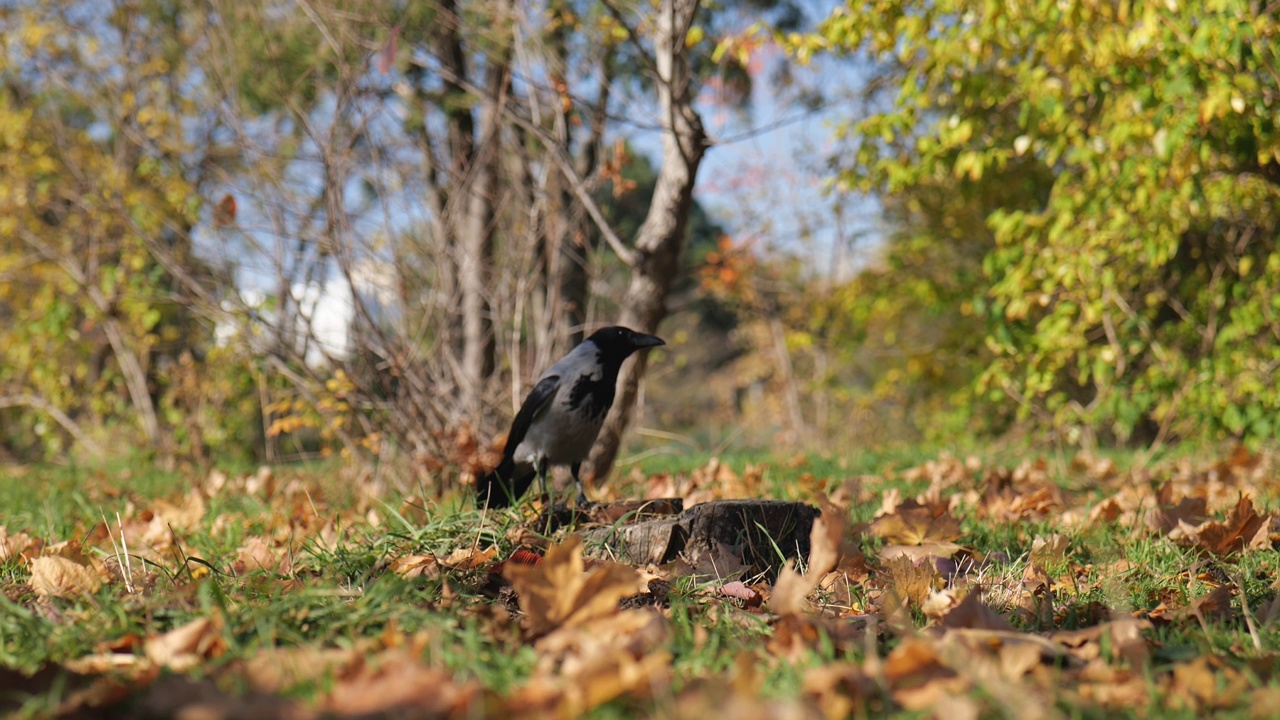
558 422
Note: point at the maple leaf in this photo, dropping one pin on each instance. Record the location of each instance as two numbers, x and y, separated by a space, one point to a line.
1214 605
1241 528
559 591
917 525
910 581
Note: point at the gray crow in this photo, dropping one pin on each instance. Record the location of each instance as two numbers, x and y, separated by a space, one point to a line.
560 419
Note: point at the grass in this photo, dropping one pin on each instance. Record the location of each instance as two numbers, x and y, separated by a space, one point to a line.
338 592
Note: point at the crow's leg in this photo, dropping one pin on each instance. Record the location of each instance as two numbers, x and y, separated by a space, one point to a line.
542 477
582 493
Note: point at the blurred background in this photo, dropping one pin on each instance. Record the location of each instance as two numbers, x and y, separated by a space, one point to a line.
271 231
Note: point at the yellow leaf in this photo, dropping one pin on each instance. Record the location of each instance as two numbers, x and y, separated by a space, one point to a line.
695 35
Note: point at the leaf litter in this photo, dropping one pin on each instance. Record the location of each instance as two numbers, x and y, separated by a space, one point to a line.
1034 591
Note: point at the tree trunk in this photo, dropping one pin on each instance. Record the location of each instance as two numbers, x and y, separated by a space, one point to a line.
660 241
476 241
469 209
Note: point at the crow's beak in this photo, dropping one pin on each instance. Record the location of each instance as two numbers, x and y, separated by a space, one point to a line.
641 341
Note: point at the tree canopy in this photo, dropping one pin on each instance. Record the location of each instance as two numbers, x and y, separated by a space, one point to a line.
1132 283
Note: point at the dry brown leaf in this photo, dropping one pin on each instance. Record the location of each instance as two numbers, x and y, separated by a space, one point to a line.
826 538
1230 536
558 591
185 647
957 707
931 551
917 526
968 612
1206 683
1214 605
1035 602
1124 635
413 566
1011 505
186 516
1105 512
1168 515
257 553
397 684
839 689
1051 547
584 666
917 677
911 581
277 670
57 576
469 558
12 546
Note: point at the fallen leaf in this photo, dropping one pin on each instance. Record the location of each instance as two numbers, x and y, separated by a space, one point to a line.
258 554
185 647
397 684
1168 515
13 546
415 566
1124 636
917 526
825 540
1206 683
913 582
469 558
1213 605
968 612
558 591
1105 512
56 576
583 666
839 689
1230 536
1051 547
917 677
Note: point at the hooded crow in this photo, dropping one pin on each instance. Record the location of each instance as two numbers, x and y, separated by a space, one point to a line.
560 419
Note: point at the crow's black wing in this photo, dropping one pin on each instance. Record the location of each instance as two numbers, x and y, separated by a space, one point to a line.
537 401
507 483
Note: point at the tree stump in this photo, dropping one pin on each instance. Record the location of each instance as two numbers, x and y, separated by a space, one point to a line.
721 538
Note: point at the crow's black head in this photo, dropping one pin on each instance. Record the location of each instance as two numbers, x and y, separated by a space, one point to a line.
619 342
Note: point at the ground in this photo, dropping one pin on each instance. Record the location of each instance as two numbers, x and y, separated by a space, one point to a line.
957 584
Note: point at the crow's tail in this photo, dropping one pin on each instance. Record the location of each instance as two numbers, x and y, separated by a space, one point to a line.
504 485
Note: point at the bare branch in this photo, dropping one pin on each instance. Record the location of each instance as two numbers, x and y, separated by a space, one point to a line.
39 403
